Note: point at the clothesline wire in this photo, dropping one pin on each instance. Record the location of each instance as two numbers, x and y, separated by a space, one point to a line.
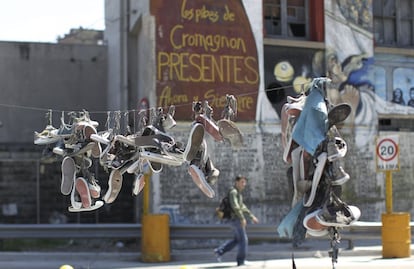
129 110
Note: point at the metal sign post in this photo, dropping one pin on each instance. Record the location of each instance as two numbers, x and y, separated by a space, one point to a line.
396 231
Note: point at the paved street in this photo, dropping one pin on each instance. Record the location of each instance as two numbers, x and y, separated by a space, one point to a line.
312 254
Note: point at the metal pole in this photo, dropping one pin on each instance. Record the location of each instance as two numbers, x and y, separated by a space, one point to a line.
37 191
146 198
388 192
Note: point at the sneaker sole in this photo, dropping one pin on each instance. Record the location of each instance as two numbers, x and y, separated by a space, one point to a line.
230 131
114 186
338 114
211 128
68 175
313 227
97 205
194 142
83 190
200 181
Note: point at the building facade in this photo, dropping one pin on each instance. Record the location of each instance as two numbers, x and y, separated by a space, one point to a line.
174 52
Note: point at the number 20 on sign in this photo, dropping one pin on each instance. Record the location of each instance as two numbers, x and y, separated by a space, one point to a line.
387 152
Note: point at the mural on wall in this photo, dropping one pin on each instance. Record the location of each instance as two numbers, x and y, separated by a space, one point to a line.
357 79
288 71
205 49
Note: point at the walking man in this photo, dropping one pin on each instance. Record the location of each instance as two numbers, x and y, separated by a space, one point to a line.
238 223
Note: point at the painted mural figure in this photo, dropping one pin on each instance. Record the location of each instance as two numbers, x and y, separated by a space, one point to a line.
397 97
411 101
314 148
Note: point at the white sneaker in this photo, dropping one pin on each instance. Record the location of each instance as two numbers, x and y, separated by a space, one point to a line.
114 186
138 185
313 227
200 180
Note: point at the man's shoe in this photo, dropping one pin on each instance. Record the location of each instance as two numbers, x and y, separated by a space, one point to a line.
194 142
68 175
217 254
114 186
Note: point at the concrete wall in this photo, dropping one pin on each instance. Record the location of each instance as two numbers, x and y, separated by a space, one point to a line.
36 77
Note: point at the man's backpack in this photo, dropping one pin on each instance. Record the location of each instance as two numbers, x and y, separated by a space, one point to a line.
224 210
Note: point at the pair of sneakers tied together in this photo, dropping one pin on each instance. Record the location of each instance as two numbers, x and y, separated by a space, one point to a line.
202 170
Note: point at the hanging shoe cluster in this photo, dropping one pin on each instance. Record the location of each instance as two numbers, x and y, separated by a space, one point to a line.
317 179
78 143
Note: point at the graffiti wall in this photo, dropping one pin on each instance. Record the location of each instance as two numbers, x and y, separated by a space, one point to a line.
205 49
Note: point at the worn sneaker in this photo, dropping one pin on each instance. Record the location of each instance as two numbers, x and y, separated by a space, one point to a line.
172 150
337 213
46 136
83 190
337 174
94 188
68 175
169 122
230 132
336 148
194 142
114 186
138 185
212 173
134 167
200 180
313 227
95 206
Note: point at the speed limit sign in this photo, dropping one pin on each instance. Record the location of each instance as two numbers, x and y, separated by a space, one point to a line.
387 152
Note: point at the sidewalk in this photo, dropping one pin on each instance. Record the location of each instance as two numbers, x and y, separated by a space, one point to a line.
265 255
